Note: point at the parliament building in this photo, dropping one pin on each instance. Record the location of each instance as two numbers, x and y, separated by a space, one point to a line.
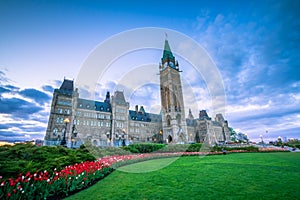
111 123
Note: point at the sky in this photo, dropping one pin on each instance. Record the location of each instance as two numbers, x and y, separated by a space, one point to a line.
255 46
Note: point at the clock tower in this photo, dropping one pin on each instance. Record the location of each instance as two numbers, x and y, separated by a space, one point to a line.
172 105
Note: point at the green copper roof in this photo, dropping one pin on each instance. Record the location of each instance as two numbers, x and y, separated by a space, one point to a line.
167 52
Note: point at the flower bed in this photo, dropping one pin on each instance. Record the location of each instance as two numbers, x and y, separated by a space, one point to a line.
73 178
273 149
57 184
43 185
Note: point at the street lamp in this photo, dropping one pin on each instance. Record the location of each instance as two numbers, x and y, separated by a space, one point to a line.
160 136
64 142
118 137
108 138
74 134
123 137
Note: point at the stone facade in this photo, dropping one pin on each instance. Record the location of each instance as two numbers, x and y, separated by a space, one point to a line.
111 123
172 105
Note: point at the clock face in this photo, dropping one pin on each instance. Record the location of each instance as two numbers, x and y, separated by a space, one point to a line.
171 64
166 64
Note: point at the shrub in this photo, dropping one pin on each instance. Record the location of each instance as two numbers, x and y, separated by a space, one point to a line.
172 148
194 147
248 148
22 158
143 147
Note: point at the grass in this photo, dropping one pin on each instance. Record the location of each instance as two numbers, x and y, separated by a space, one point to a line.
232 176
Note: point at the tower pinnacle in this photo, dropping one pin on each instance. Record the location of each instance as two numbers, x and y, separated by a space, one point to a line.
167 55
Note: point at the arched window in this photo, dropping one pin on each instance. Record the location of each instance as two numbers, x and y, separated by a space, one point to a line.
168 120
178 119
95 142
55 130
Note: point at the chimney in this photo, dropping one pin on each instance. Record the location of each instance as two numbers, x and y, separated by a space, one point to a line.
136 108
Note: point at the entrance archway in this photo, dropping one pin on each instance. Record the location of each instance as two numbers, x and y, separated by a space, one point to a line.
170 139
95 142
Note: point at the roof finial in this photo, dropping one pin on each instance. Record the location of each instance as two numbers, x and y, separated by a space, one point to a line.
166 35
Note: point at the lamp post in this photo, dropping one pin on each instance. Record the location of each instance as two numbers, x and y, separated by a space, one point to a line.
117 137
64 142
108 138
123 137
74 134
160 137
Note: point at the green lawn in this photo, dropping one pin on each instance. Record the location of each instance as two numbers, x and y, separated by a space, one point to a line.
233 176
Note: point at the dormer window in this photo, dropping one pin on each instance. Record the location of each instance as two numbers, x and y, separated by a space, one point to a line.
88 106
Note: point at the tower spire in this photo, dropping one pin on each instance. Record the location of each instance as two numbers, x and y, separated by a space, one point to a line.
167 55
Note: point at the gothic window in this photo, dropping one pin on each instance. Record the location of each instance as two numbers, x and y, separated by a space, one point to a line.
175 100
95 143
167 100
101 116
168 120
59 120
68 103
78 113
59 111
60 102
178 118
55 131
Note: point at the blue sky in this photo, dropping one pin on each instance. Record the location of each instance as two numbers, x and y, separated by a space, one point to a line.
255 46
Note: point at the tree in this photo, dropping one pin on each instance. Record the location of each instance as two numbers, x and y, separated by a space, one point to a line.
233 134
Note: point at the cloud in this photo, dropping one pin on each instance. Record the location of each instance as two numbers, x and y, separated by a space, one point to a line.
18 107
23 113
3 78
48 88
36 95
3 90
257 54
12 87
